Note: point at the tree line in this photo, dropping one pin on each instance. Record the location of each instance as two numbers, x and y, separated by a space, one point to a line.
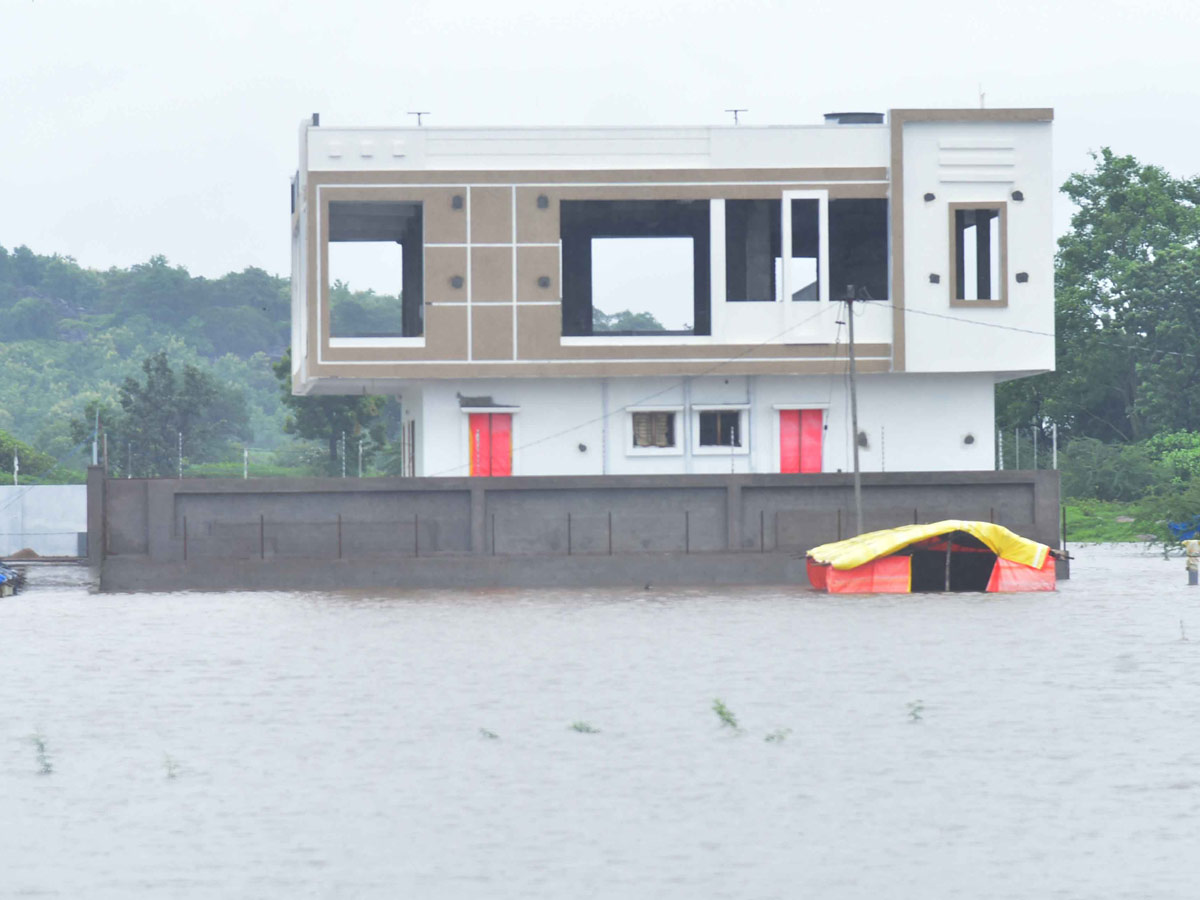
159 352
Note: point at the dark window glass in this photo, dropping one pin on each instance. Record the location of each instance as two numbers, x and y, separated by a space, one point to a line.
721 428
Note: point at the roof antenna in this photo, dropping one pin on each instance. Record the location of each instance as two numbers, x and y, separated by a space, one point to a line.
982 95
735 113
423 112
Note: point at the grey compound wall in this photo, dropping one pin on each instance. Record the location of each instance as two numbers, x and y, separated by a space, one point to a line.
168 534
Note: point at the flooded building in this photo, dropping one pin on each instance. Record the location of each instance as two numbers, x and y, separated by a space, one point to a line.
622 301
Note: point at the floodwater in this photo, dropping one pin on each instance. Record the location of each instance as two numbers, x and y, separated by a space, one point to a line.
300 745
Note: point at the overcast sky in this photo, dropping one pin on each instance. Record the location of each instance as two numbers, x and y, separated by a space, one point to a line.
130 128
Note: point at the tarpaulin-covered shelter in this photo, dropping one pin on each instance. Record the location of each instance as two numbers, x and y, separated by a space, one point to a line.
951 555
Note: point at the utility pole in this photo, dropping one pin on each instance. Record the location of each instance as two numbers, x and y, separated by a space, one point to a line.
858 515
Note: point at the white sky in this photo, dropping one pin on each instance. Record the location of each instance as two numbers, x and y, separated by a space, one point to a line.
135 127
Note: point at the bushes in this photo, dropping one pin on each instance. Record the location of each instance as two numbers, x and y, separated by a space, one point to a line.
1094 470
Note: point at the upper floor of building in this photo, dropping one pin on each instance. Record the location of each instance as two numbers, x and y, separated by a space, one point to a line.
429 253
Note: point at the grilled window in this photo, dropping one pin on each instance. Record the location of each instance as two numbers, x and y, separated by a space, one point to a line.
654 429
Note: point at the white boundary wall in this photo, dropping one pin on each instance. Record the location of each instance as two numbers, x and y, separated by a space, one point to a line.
45 518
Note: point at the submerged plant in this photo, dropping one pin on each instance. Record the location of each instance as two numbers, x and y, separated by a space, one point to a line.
778 736
1182 631
725 714
488 735
45 766
915 708
170 766
584 728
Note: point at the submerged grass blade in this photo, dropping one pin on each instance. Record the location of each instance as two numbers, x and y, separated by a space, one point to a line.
725 714
584 728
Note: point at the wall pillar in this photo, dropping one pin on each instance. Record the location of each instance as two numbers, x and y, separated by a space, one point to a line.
478 520
733 516
96 517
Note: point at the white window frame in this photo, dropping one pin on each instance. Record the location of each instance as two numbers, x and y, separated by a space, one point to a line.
785 245
632 450
743 410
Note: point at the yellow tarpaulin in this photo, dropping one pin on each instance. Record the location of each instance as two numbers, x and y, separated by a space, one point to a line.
857 551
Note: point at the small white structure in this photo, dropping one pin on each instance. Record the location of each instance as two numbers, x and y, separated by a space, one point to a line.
667 300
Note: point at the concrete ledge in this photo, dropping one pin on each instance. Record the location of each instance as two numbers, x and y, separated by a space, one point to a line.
136 573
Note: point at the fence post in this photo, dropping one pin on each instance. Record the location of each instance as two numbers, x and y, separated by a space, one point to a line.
339 532
185 538
262 536
493 534
687 531
610 532
568 534
762 530
416 534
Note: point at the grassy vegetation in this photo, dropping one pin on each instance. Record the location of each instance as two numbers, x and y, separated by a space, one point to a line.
1096 521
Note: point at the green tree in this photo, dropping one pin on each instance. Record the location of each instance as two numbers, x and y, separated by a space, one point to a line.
1127 314
32 462
327 418
163 408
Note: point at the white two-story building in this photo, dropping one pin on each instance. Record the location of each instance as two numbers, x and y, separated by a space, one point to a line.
561 301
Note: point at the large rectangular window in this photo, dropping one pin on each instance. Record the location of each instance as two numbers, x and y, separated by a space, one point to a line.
754 253
752 257
858 249
978 257
375 269
635 267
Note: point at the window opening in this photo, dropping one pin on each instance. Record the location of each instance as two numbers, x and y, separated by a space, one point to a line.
644 284
625 263
375 270
804 275
721 428
752 255
654 429
858 248
977 254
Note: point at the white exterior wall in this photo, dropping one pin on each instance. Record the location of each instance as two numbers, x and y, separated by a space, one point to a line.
912 423
980 162
45 518
491 149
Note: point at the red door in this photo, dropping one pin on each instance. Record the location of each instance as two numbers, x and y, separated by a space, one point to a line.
490 435
800 435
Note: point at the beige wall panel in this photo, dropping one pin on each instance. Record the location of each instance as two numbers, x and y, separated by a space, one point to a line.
491 274
445 333
539 329
534 263
442 265
537 226
491 332
711 192
491 215
443 223
592 370
601 176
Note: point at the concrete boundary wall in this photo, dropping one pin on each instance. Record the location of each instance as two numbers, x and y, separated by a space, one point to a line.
327 533
49 519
